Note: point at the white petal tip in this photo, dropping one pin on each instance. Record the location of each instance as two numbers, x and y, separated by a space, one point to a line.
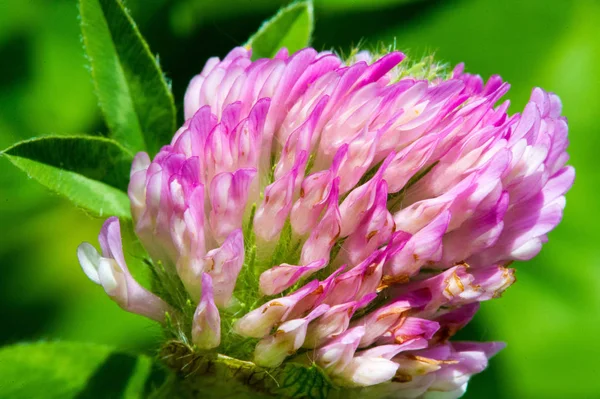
89 259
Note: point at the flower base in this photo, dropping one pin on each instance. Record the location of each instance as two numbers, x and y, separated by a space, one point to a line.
219 376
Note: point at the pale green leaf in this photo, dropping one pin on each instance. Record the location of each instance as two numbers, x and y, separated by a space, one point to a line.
291 28
134 97
92 172
93 196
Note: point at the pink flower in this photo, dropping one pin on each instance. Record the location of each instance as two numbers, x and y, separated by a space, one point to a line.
344 208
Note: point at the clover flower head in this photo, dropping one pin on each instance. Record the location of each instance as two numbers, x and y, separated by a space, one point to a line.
344 214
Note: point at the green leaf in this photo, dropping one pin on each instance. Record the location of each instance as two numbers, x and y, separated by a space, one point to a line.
75 370
92 172
97 198
98 158
134 96
291 27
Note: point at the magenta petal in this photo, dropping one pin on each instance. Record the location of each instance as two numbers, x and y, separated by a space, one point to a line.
223 264
274 210
279 278
229 193
338 353
271 351
425 246
206 330
318 245
259 322
333 322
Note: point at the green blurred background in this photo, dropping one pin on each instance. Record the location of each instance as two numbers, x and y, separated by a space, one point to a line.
550 319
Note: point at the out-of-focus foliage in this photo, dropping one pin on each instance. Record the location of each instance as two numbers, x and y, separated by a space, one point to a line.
64 370
550 318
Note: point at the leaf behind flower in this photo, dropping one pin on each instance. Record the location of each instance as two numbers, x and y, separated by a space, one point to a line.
133 94
291 28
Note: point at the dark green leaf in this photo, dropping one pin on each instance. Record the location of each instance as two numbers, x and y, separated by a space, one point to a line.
135 98
345 5
92 172
291 27
75 370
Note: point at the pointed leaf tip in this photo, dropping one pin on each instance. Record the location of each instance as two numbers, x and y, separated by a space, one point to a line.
291 28
92 172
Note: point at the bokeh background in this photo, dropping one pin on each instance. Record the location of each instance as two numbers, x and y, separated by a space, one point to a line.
550 318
